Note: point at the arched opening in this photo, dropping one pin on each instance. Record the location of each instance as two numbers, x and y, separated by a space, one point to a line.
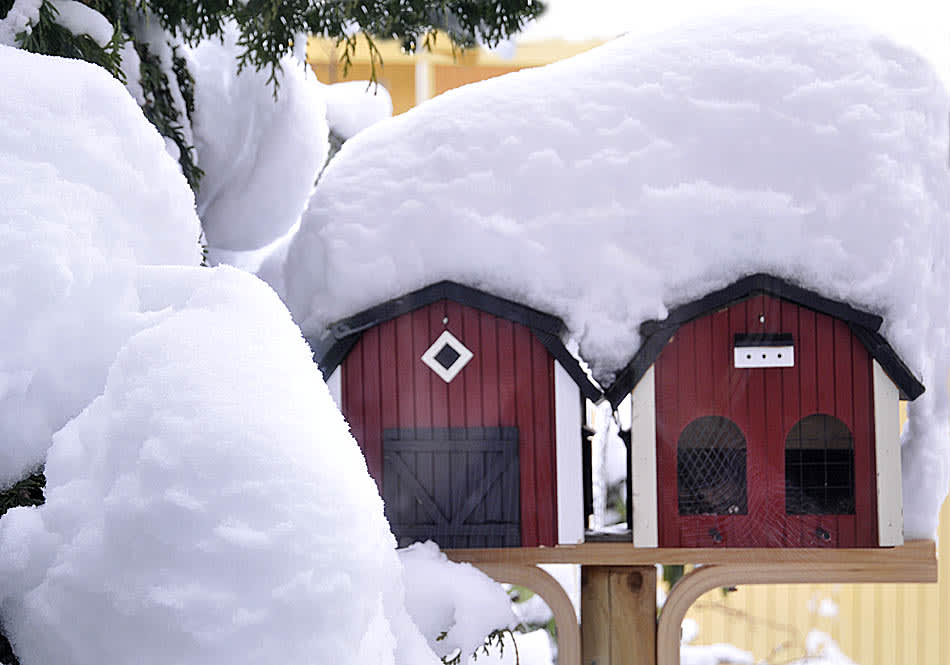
819 467
711 468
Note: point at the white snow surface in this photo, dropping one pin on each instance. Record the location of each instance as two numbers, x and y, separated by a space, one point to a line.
260 157
454 599
352 106
205 502
613 186
208 507
84 198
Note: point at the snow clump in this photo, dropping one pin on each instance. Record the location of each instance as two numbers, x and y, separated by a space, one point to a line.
260 156
352 106
85 197
455 605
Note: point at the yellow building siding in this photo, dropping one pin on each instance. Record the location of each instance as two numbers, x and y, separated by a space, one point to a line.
404 74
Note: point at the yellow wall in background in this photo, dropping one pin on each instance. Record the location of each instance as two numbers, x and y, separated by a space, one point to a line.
412 78
876 624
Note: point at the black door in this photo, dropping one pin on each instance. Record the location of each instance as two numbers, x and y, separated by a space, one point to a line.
456 486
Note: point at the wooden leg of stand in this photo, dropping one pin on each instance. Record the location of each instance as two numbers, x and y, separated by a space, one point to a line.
618 615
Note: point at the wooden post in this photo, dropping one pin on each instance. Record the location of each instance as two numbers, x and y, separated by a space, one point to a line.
618 615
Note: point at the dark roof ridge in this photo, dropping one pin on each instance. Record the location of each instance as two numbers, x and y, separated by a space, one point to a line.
332 348
864 325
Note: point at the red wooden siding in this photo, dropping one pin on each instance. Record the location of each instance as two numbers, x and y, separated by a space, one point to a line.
832 375
508 383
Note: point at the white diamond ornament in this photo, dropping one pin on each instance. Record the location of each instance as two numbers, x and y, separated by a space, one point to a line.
447 339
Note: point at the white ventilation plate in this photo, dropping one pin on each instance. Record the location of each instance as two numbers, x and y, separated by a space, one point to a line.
447 356
764 356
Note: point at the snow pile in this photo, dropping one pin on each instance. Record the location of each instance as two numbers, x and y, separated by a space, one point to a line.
613 186
84 198
205 502
352 106
455 605
260 157
209 506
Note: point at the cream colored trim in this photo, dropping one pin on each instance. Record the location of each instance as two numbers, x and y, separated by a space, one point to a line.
570 488
335 384
887 453
643 462
423 79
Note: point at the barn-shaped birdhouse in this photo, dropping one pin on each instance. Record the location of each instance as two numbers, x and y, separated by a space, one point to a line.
765 415
469 411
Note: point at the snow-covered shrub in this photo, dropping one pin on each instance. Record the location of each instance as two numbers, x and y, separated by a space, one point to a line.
205 501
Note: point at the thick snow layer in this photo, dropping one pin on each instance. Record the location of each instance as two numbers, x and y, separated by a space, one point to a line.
612 186
209 507
352 106
84 197
260 157
455 605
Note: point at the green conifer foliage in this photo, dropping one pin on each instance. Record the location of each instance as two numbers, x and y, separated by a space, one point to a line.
267 30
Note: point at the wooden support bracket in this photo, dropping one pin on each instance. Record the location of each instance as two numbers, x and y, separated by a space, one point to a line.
543 584
706 578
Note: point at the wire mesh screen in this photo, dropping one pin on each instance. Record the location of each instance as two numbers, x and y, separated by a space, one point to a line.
711 468
819 467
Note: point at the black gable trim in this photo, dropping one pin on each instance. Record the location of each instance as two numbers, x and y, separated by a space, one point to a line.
557 349
329 358
754 285
446 290
656 334
908 385
547 328
630 376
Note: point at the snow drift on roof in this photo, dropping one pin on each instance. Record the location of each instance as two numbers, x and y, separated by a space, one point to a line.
610 187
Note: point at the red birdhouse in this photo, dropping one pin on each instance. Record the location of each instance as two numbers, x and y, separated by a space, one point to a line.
765 415
469 410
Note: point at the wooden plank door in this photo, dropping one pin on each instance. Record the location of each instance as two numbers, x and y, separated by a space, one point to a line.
456 486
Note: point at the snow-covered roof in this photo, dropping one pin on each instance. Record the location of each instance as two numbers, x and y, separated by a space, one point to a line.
608 188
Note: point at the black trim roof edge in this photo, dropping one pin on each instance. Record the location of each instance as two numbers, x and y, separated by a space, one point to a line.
909 386
447 290
589 389
546 327
334 354
864 325
630 376
762 283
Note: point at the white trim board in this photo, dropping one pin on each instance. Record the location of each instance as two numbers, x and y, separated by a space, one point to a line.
570 482
887 455
643 462
335 384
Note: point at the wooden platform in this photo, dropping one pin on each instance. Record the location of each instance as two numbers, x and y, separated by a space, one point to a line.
916 560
